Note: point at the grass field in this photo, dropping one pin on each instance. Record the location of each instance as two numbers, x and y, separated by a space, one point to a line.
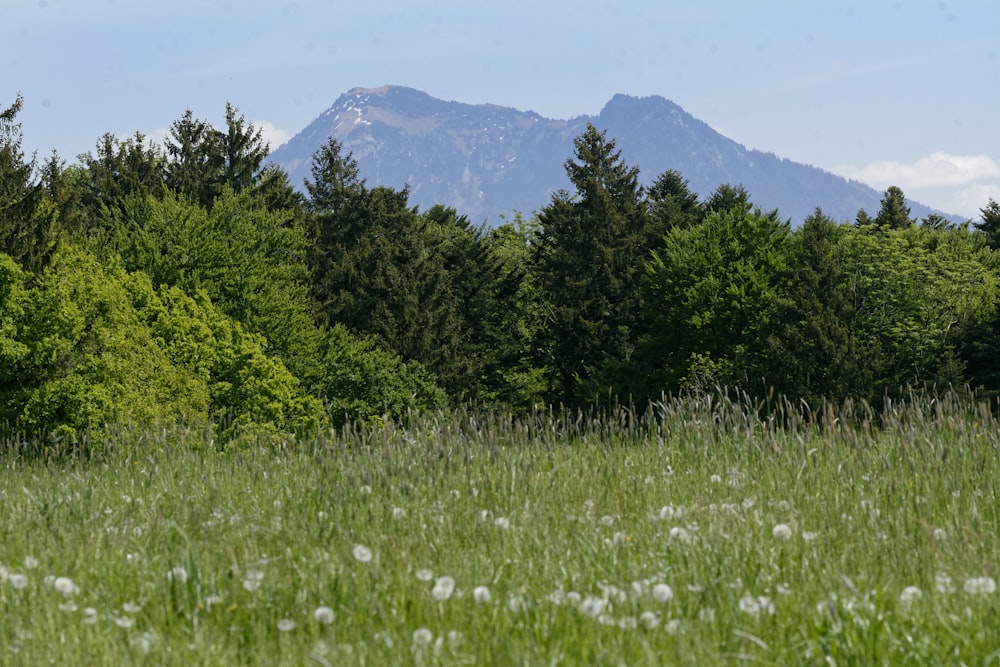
703 535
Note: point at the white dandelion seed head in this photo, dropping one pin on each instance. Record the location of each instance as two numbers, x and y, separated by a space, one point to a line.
286 625
65 586
628 623
943 584
30 562
89 616
455 639
674 626
593 606
649 619
782 531
715 479
980 586
481 594
424 575
443 588
323 615
940 534
124 622
67 606
706 615
502 522
783 589
178 574
515 604
422 637
663 593
910 595
765 604
608 520
365 490
362 554
749 605
809 537
680 534
398 513
18 581
131 608
558 596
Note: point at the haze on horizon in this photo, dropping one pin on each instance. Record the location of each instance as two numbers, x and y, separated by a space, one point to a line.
881 91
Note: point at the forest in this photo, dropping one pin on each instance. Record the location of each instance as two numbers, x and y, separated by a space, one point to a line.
193 283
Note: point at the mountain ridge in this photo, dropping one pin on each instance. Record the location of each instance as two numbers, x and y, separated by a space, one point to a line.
489 161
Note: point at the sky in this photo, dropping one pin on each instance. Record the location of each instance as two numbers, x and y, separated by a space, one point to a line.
889 92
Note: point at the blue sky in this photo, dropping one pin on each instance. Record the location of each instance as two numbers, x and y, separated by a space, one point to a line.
903 92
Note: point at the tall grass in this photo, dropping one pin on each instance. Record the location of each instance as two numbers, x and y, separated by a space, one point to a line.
704 530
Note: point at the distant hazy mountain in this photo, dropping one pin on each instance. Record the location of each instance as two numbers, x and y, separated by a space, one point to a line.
487 160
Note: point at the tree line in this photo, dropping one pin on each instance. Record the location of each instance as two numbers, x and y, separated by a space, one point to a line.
190 282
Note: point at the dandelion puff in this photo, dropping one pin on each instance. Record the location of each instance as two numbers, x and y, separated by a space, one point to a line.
663 593
502 522
30 562
124 622
89 616
443 588
765 604
481 594
365 490
749 605
143 642
424 575
455 639
67 606
809 536
178 574
980 586
323 615
422 637
398 513
943 584
674 626
940 534
131 608
251 581
18 581
706 615
783 589
362 554
679 534
628 623
910 595
286 625
782 531
65 586
649 619
592 606
715 479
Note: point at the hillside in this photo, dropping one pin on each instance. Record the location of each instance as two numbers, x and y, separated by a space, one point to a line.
488 160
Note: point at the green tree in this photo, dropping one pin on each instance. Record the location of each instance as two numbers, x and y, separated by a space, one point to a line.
588 262
120 169
727 198
989 224
714 292
28 225
893 212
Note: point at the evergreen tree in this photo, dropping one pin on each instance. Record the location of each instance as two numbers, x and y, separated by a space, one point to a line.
989 224
589 262
894 213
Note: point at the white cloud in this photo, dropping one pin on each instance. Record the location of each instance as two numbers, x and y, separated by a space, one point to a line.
273 136
935 170
960 184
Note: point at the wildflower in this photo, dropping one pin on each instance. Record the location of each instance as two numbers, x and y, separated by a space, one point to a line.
909 595
502 522
515 604
940 534
30 562
251 581
89 616
67 606
424 575
323 615
362 554
65 586
607 520
131 608
557 596
422 637
365 490
18 581
715 479
124 622
213 600
706 615
782 531
398 513
628 623
178 574
783 589
674 626
809 537
143 642
649 619
592 606
765 604
455 639
481 594
980 585
443 588
749 605
663 593
943 584
286 625
679 534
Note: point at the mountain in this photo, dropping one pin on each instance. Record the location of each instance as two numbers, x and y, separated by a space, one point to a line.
487 160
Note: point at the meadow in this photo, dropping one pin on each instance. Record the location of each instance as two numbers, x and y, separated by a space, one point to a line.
706 532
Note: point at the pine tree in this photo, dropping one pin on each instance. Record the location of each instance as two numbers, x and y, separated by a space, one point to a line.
894 213
989 224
